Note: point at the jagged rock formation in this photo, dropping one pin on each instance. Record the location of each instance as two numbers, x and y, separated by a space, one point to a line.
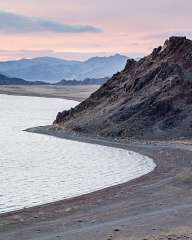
149 99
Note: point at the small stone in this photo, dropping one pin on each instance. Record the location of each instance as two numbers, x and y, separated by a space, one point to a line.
80 221
68 209
116 230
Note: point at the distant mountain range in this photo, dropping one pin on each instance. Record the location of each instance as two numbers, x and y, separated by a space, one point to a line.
4 80
53 69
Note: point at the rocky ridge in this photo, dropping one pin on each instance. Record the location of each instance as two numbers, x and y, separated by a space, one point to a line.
149 99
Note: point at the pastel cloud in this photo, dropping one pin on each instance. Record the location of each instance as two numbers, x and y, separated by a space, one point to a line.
133 27
15 23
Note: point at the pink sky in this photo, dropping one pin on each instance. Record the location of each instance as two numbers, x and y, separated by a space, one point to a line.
131 27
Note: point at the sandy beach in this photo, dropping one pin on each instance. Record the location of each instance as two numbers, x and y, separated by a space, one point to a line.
155 206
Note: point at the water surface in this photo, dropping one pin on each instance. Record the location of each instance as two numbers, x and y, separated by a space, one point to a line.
37 169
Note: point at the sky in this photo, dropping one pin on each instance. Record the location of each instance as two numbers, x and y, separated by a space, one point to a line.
79 29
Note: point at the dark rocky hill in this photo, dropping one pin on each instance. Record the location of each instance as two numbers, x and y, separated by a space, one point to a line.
4 80
151 98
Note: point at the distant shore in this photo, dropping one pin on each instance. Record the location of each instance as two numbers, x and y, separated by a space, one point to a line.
156 204
77 93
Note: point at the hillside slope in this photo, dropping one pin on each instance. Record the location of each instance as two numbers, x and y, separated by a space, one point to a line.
150 99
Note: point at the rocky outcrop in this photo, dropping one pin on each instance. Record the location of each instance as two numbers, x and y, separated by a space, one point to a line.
151 98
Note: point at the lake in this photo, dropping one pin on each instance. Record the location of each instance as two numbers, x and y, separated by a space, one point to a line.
37 169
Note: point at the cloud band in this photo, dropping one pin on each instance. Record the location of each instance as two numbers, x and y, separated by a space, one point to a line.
14 23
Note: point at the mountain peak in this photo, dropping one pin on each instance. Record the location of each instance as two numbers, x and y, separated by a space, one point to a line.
175 49
149 99
175 41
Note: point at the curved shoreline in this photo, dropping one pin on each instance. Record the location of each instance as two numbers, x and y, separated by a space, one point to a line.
142 165
136 208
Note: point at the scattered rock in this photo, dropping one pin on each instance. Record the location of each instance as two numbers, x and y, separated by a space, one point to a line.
68 209
116 230
110 237
80 221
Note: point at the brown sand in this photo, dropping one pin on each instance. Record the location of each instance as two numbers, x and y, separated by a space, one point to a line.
77 93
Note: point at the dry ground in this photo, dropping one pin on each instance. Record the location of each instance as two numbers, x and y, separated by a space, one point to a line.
77 93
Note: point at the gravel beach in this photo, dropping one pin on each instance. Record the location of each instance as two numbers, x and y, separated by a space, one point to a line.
155 206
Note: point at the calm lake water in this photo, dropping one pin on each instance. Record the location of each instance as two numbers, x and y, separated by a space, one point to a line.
37 169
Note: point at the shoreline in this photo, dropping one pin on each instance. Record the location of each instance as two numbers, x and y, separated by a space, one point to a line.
76 93
155 206
69 136
84 140
149 200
